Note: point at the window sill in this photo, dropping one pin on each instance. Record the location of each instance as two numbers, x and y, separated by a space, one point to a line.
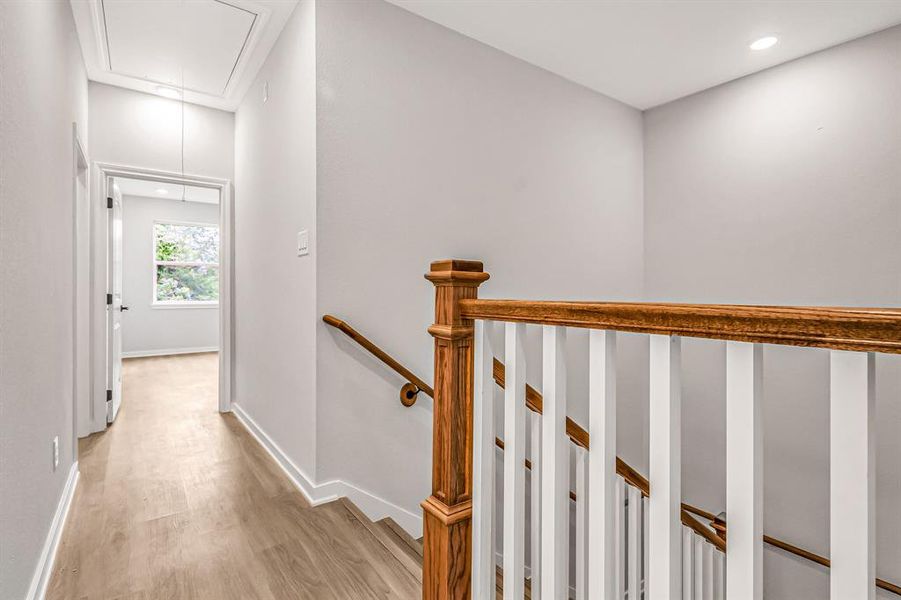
177 305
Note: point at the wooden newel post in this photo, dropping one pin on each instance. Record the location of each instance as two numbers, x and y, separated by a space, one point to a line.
447 551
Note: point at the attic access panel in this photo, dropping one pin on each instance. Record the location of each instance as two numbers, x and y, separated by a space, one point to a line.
167 40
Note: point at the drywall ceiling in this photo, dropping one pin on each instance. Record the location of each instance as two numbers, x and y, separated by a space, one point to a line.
649 52
209 50
167 191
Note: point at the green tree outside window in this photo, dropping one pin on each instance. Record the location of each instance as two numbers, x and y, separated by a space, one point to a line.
186 258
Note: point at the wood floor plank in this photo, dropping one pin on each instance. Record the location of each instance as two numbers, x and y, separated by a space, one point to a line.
178 501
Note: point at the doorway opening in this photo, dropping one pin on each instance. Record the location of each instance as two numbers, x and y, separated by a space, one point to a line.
164 248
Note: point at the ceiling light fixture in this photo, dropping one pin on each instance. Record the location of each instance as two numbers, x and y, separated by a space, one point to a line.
162 192
764 42
168 92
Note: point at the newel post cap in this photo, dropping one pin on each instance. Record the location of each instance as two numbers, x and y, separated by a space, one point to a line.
455 271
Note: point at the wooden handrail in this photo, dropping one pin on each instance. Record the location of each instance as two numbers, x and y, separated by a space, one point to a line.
534 401
857 329
700 512
880 583
410 390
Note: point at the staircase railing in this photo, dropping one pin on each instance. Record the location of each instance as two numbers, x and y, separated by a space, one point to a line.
414 384
459 554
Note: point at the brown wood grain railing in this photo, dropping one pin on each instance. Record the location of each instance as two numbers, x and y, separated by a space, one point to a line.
579 435
858 329
409 391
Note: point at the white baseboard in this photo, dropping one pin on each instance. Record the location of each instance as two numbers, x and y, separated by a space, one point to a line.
44 568
169 351
372 505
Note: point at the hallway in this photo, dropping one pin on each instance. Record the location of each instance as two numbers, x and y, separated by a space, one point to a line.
178 501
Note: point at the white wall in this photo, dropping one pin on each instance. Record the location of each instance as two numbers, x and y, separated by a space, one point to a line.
43 91
154 330
142 130
431 145
784 188
275 197
408 142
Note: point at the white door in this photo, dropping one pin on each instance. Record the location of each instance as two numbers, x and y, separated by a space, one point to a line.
114 306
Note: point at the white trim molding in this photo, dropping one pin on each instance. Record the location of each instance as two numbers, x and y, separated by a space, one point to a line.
270 17
169 352
372 505
44 568
101 171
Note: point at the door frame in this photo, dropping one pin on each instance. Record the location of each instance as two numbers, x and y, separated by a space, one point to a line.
81 200
101 171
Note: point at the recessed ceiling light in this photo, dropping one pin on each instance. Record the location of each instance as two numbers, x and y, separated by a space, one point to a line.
764 42
168 92
162 192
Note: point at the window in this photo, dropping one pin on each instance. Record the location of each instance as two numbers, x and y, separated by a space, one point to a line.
186 263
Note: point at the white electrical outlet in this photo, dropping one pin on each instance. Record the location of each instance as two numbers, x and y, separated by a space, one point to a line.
303 243
55 452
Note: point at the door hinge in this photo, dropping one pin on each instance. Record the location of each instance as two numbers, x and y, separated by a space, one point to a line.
109 299
109 202
109 395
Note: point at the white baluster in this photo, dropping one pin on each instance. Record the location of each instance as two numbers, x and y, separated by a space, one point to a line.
645 536
719 582
483 463
634 543
555 468
744 470
582 502
619 530
514 456
645 547
698 580
708 571
535 515
852 475
687 564
602 461
665 581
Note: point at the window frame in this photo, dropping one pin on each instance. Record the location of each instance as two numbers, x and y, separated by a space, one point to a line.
155 303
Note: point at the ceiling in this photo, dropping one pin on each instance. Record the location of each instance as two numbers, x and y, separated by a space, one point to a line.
167 191
649 52
210 49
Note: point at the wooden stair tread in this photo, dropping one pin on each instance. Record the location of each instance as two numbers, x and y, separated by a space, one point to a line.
399 546
401 533
390 540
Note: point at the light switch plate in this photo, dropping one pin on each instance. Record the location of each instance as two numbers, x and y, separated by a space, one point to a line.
303 243
55 452
265 92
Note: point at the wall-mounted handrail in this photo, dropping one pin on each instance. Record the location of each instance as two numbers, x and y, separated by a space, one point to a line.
533 400
410 390
856 329
580 436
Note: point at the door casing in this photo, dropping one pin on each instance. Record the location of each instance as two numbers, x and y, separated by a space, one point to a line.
101 172
82 422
